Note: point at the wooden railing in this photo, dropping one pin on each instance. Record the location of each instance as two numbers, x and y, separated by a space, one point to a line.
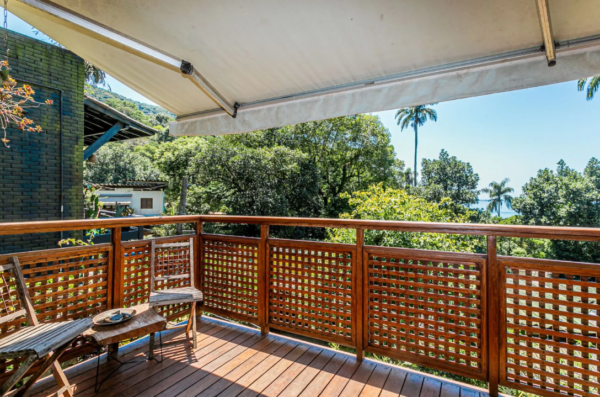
528 324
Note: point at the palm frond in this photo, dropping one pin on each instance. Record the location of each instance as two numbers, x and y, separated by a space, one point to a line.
93 75
593 86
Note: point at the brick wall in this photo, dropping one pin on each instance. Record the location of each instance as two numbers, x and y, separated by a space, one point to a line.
30 176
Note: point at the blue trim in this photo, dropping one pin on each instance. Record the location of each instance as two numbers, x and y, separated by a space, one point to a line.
104 138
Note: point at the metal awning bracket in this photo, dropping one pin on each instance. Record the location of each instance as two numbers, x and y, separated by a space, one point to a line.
549 47
185 67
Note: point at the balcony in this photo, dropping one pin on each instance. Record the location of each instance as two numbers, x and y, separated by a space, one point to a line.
527 324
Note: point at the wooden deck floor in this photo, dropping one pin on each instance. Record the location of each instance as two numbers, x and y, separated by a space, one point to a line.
237 361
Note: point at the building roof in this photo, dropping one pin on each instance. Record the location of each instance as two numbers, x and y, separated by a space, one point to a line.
99 118
137 185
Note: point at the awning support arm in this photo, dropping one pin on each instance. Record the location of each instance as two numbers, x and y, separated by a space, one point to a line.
546 26
185 67
93 148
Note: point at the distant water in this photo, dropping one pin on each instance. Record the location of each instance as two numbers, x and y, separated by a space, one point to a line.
504 212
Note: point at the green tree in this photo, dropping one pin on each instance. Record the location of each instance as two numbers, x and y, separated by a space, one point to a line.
593 83
499 194
119 162
564 198
381 203
415 116
449 177
350 153
130 109
94 75
239 180
176 159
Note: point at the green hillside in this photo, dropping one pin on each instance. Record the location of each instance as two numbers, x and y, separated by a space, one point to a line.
104 95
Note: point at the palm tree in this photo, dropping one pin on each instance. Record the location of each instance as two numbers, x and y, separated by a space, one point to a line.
592 87
415 116
498 195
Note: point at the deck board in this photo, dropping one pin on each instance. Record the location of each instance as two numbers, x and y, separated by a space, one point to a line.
232 360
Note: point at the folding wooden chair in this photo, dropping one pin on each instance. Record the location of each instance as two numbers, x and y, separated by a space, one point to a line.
36 341
175 264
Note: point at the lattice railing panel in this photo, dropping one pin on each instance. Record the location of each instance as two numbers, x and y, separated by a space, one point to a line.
551 325
171 261
310 289
427 307
230 276
64 284
136 274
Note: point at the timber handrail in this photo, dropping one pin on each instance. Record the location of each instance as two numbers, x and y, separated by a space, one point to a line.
522 231
477 229
14 228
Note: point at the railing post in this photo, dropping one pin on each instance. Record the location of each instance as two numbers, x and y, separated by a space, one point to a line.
357 296
118 270
198 257
493 315
263 280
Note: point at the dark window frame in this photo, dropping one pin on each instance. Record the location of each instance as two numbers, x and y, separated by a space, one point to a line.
144 203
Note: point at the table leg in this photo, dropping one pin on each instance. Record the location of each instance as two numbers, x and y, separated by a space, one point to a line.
194 332
151 347
113 351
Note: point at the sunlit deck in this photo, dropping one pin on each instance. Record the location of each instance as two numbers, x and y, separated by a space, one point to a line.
237 361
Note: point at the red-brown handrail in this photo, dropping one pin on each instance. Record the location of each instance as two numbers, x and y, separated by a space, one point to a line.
522 231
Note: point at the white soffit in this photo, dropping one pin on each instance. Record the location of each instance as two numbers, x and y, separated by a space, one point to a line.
289 61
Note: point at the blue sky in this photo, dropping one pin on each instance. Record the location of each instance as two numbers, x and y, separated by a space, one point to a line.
508 135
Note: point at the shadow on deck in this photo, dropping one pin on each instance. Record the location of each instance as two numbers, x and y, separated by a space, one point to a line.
232 360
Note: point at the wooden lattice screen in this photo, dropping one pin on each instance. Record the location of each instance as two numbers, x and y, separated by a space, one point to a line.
427 307
551 325
230 276
64 284
310 289
136 273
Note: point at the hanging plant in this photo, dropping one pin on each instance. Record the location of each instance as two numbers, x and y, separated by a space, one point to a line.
13 102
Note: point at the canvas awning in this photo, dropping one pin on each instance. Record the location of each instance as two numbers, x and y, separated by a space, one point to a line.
278 62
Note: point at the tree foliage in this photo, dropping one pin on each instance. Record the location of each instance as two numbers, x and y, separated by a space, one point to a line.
564 198
350 153
381 203
449 177
499 195
119 162
593 83
240 180
415 116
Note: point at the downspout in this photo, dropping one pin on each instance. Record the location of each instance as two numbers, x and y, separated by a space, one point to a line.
62 195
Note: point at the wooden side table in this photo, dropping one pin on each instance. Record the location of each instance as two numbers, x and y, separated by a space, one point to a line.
146 321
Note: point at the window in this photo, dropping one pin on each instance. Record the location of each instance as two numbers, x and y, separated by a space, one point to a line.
146 204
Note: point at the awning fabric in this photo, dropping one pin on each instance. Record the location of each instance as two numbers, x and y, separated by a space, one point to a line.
289 61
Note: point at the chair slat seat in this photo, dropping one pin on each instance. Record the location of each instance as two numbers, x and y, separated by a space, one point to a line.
173 277
175 295
42 339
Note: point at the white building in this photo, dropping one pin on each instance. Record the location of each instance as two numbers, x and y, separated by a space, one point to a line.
145 198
